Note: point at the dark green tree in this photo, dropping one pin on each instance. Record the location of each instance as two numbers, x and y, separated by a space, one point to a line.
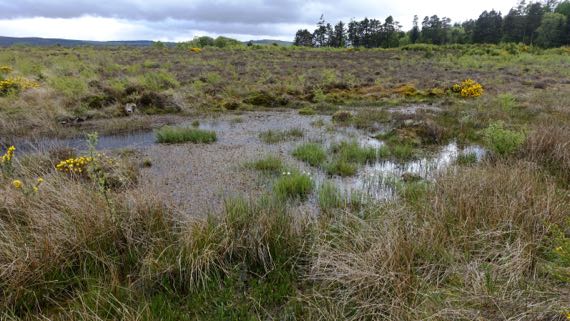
338 38
534 13
552 30
320 35
564 8
415 32
514 26
353 33
488 27
303 38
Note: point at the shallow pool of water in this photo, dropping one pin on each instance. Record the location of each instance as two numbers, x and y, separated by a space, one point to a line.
377 180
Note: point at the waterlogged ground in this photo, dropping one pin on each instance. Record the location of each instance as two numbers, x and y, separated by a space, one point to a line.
197 178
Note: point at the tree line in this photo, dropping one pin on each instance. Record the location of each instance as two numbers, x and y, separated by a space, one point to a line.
545 23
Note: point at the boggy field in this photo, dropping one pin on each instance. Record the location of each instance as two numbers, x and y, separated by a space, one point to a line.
283 183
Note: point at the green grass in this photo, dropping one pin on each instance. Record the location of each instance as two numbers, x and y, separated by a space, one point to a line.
351 151
307 111
293 186
312 153
175 135
402 152
341 168
466 159
329 197
278 136
268 164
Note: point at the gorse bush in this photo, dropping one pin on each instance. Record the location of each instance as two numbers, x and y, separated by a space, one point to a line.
502 141
16 85
468 88
174 135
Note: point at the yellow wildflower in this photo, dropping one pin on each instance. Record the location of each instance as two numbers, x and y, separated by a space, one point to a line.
40 180
17 184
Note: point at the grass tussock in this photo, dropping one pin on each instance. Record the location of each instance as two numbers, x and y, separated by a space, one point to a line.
176 135
312 153
293 185
482 235
550 146
268 164
276 136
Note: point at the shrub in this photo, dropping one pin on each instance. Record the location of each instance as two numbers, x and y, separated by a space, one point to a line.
468 88
293 185
312 153
503 141
16 85
174 135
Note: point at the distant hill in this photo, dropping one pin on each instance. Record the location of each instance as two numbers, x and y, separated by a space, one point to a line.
271 42
10 41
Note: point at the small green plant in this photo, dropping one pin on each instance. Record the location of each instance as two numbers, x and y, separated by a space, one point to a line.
312 153
293 185
175 135
502 141
277 136
507 101
270 164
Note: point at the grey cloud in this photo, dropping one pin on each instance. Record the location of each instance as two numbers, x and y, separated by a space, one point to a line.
230 11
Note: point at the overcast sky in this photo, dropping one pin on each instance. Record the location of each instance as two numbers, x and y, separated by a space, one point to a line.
179 20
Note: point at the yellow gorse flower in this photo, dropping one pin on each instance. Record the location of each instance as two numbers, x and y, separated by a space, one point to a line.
196 50
468 88
16 84
74 165
5 69
7 157
17 184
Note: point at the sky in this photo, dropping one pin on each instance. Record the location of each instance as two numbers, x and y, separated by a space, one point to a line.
182 20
